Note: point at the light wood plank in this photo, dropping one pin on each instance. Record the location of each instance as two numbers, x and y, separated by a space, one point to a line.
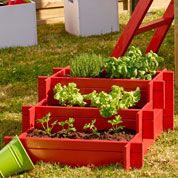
43 14
42 4
176 41
50 21
176 55
48 13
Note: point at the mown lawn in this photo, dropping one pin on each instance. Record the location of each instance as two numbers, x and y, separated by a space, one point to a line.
20 67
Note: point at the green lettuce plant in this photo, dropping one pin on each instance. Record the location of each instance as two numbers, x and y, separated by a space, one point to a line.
111 102
68 95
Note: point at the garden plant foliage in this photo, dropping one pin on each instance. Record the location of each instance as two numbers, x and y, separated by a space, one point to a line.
134 65
109 103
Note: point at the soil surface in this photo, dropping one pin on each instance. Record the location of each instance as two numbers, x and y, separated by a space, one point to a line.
123 135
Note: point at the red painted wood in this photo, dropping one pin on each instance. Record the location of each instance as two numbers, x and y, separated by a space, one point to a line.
127 157
148 125
169 108
168 121
136 155
152 25
25 117
168 75
56 69
152 123
41 87
161 32
80 111
159 94
139 121
131 28
134 27
85 115
28 115
169 89
75 158
158 122
61 71
100 82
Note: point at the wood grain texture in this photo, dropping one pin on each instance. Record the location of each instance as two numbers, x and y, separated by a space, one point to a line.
176 41
43 4
176 54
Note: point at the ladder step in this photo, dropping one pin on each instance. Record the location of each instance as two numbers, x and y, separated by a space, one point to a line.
152 25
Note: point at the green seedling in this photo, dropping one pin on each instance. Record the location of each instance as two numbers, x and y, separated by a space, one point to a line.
70 127
115 124
91 126
45 121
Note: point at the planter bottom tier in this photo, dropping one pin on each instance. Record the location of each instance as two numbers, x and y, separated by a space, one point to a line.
76 152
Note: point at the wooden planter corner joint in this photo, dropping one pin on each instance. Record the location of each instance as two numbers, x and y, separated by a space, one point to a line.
151 116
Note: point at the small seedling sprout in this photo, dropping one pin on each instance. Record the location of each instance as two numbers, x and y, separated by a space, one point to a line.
115 122
46 119
91 126
70 127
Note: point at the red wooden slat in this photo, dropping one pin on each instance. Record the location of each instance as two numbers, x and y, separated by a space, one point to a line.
132 26
153 24
161 32
127 157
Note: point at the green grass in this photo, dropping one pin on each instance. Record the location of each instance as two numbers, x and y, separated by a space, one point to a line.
20 67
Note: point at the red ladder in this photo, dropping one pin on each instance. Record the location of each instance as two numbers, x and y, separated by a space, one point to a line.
134 27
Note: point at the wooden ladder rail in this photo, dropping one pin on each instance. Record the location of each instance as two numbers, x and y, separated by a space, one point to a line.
134 27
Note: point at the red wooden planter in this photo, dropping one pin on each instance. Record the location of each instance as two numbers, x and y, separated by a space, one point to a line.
152 115
148 124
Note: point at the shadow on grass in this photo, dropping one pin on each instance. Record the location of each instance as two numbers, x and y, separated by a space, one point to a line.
9 128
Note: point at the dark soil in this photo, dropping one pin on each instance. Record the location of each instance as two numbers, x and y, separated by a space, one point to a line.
123 135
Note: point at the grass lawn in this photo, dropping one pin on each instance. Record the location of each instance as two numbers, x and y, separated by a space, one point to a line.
20 67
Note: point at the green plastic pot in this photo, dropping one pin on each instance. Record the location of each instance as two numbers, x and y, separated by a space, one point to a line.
14 158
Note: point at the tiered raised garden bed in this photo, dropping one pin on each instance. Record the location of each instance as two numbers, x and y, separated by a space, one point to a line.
152 115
